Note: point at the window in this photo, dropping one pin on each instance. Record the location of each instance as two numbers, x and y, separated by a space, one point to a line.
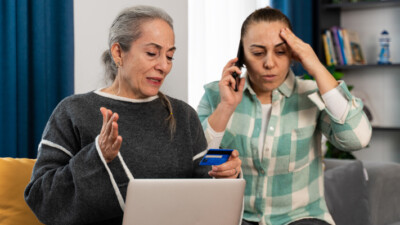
214 34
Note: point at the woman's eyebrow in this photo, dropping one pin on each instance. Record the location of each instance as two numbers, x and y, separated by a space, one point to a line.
282 43
258 46
263 47
160 47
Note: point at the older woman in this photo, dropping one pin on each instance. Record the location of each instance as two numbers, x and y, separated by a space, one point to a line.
94 143
275 120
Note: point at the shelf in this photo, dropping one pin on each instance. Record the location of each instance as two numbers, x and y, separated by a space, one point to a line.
386 128
362 4
354 67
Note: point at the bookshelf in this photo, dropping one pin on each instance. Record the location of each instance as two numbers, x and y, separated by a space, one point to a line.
328 14
355 67
380 84
375 80
362 4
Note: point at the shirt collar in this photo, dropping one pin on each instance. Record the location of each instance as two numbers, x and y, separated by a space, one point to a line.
286 87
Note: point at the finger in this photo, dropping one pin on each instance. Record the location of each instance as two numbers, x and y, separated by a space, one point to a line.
116 117
288 35
230 70
233 162
110 153
114 131
230 63
103 111
241 84
232 173
117 144
228 81
108 127
234 154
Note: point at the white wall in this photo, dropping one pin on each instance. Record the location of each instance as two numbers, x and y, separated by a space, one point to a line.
92 20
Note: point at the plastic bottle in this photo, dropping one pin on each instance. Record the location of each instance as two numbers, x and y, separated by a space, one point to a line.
384 53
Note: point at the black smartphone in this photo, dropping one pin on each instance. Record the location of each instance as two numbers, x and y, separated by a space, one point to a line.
239 63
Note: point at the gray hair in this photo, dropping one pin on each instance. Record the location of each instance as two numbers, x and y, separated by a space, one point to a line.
126 29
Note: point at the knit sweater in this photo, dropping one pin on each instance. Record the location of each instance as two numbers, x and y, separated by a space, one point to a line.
71 182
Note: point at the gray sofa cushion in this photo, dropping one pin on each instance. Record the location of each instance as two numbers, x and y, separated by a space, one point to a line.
346 194
384 192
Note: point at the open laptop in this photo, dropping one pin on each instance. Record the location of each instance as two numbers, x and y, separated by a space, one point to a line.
184 202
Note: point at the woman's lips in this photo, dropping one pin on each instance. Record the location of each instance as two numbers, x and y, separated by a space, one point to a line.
269 77
154 80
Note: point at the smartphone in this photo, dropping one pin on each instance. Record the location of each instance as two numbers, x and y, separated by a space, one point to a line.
216 157
239 63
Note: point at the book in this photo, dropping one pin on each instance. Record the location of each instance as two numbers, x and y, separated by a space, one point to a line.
328 57
331 47
347 48
356 48
336 42
341 43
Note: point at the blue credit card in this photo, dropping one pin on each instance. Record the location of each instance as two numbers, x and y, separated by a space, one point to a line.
216 157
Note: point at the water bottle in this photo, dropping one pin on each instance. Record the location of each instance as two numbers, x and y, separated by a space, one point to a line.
384 54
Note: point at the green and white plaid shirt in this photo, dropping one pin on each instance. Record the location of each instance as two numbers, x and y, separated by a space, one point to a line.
286 183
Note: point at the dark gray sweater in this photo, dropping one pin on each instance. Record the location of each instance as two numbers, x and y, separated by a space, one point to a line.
70 183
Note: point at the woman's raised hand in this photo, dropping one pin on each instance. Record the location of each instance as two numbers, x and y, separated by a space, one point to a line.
302 52
229 97
109 140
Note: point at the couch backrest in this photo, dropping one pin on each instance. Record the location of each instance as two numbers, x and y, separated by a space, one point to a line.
15 174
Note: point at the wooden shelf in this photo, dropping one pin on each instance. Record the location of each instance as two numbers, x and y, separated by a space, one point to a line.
386 128
369 66
362 4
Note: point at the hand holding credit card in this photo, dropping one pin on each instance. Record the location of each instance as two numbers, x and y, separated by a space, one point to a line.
216 157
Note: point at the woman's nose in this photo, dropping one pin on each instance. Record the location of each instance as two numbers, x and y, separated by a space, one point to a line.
163 65
269 61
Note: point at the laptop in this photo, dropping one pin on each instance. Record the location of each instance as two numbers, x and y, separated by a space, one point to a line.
184 202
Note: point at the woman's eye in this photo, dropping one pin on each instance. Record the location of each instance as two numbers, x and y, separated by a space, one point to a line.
281 52
170 58
151 54
257 53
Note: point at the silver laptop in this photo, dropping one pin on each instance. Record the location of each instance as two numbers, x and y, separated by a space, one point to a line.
184 202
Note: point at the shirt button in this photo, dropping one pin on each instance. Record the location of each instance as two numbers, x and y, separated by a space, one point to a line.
262 172
271 128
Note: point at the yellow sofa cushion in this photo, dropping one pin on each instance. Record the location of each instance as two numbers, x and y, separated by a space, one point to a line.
15 174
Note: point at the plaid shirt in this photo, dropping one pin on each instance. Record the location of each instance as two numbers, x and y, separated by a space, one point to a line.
286 183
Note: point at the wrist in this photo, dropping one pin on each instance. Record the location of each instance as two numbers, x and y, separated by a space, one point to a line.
226 109
318 70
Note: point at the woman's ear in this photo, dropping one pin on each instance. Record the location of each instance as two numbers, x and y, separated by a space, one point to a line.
116 53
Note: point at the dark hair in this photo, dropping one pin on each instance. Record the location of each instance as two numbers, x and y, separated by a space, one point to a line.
125 30
266 14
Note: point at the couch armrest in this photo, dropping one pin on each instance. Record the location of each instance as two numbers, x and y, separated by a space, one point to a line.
384 191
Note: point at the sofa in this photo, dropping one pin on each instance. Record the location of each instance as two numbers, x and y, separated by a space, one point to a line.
366 193
356 192
14 176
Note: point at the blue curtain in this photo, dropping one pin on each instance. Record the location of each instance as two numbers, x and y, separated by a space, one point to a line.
36 69
300 13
